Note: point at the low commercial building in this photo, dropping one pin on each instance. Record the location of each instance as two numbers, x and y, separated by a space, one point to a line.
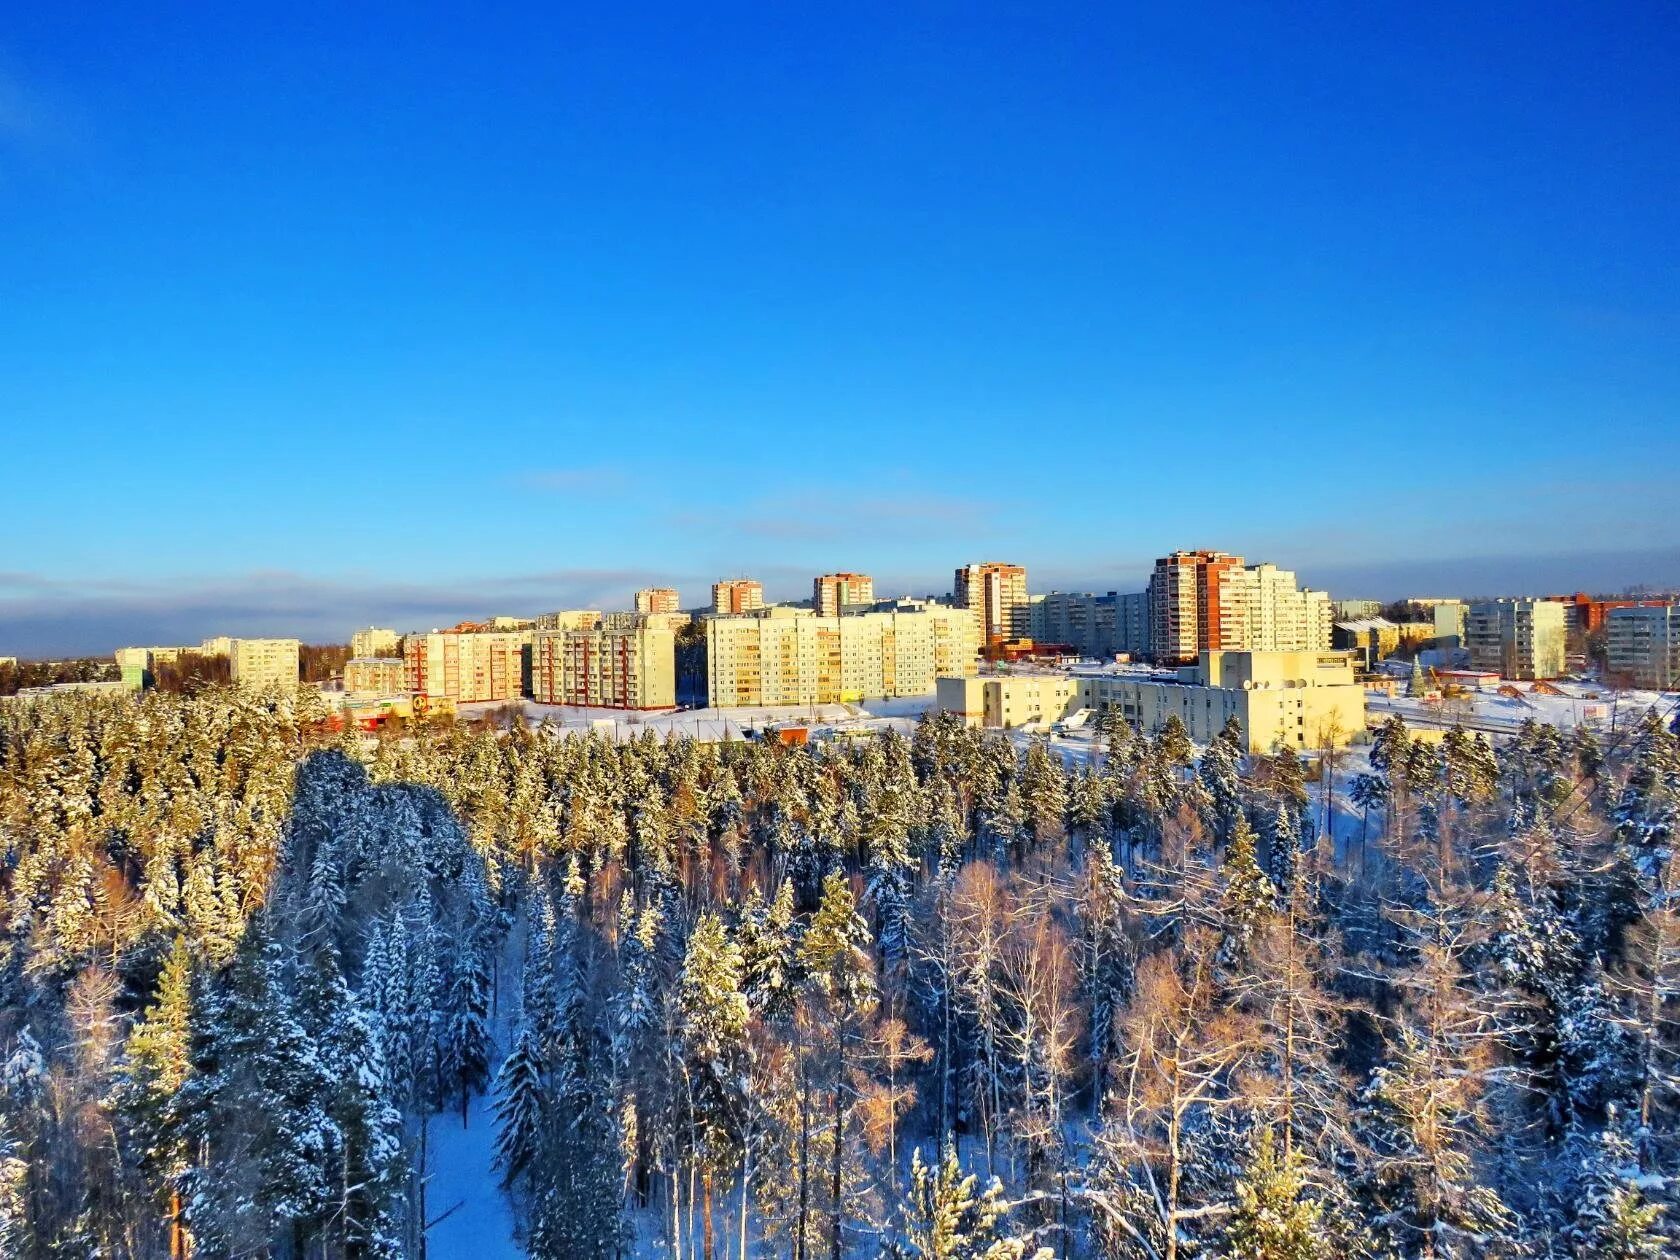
1377 638
792 656
1523 639
629 662
1299 700
375 641
1642 644
468 665
375 676
260 663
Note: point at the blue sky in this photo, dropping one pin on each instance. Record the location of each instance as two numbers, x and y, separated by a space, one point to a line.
407 313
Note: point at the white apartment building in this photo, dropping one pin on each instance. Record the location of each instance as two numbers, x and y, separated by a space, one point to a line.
1643 645
1297 700
627 663
374 642
791 656
1517 638
259 663
367 676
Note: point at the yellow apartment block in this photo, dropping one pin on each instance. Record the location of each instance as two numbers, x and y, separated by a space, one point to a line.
259 663
374 642
468 667
1296 700
630 663
375 676
791 656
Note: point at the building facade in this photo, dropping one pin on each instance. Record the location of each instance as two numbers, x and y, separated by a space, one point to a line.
1294 700
791 656
997 595
834 591
1523 639
656 599
627 663
1210 601
1643 645
375 676
259 663
374 642
737 595
468 666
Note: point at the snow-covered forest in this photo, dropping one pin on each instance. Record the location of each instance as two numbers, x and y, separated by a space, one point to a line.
939 996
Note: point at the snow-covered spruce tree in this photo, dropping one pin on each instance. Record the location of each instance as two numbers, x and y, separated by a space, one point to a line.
1275 1218
156 1060
1246 895
947 1218
836 956
1618 1213
464 1055
712 1103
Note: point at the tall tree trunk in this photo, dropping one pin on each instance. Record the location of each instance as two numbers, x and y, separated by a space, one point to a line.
706 1214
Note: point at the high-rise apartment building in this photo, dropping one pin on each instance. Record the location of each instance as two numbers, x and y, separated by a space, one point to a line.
1203 601
468 665
259 663
737 595
629 662
1642 643
1517 638
833 591
789 656
1190 604
374 642
997 595
656 599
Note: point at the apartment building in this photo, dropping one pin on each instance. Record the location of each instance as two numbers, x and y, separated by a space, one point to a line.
1517 638
1642 642
259 663
366 676
792 656
1082 620
375 642
570 619
629 662
656 599
468 665
1211 601
1297 700
997 595
737 595
834 591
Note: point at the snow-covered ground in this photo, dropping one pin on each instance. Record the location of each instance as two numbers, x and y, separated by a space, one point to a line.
719 724
1603 709
464 1190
